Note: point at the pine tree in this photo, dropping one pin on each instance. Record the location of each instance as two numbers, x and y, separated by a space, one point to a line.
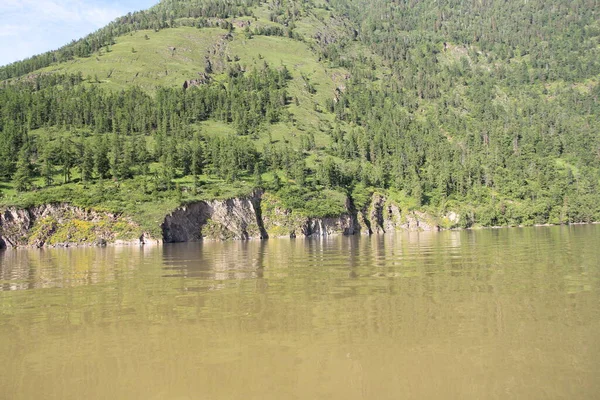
116 156
184 157
141 155
276 184
417 192
196 183
126 162
299 173
66 158
87 164
197 156
22 178
258 181
47 166
167 173
6 159
101 161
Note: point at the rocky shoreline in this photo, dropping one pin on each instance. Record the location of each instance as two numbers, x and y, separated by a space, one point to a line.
257 216
64 225
261 216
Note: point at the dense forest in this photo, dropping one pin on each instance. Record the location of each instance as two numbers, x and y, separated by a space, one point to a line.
488 108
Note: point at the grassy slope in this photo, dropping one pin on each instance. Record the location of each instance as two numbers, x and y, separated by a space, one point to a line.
169 57
147 59
135 60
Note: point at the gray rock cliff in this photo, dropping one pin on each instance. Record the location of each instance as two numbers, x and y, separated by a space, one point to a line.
65 225
257 216
215 220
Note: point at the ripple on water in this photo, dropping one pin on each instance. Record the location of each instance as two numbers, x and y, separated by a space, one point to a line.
471 314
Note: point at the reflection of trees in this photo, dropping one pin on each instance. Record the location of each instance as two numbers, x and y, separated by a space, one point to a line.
391 281
353 313
61 268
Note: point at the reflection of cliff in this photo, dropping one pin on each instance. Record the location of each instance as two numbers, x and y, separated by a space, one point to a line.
56 268
215 261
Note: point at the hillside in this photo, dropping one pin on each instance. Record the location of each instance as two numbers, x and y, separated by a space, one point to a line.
488 109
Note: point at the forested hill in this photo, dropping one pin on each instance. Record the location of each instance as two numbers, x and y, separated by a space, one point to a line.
487 108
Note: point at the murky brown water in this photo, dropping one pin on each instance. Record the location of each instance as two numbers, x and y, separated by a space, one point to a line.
493 314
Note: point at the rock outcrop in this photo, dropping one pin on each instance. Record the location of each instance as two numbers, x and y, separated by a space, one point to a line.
297 226
203 79
257 216
343 225
382 215
281 222
63 225
215 220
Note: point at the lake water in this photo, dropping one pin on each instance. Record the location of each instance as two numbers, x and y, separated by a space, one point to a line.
489 314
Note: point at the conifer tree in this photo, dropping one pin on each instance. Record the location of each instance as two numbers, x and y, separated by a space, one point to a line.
47 166
22 178
101 161
6 158
276 184
197 156
258 181
126 161
87 164
299 174
116 156
67 158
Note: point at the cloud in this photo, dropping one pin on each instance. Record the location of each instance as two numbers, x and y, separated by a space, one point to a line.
32 12
12 30
29 27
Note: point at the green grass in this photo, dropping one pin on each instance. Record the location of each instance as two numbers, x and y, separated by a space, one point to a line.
217 128
169 57
300 61
154 63
151 63
134 198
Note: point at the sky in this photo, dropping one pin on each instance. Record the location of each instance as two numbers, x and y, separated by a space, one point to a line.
29 27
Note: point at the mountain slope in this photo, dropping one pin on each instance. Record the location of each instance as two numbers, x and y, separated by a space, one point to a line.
489 109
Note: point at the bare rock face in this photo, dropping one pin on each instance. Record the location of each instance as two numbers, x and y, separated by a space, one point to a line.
64 225
203 79
343 225
281 222
370 219
453 218
363 224
215 220
383 215
298 226
376 213
14 226
257 216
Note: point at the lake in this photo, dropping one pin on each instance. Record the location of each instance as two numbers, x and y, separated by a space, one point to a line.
482 314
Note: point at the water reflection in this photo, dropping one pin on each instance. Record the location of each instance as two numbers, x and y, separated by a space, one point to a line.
475 314
215 261
61 268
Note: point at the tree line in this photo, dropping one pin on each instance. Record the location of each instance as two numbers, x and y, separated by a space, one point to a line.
108 134
488 107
